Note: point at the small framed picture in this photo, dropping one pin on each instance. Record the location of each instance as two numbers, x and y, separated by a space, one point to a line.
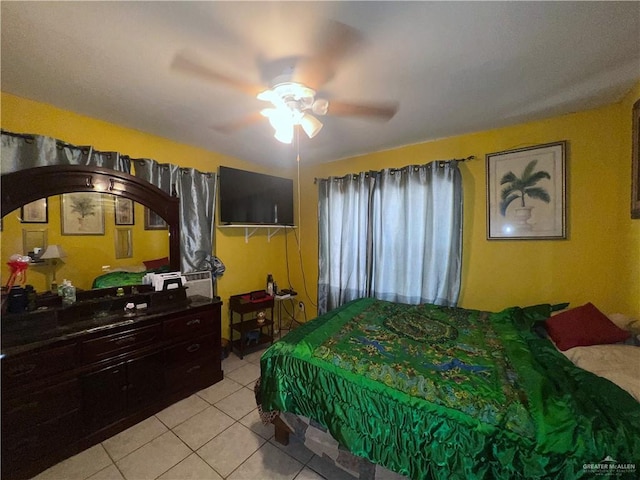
35 212
153 221
82 214
124 211
34 241
124 243
526 193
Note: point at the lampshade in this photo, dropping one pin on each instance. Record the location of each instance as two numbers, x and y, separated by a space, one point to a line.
53 251
282 122
284 133
311 125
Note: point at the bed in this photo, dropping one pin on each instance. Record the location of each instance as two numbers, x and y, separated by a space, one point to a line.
131 275
442 392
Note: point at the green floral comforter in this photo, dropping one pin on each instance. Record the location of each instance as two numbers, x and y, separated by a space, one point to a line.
441 392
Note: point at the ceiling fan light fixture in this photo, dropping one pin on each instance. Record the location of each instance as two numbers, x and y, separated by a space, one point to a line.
320 106
311 125
272 97
282 122
284 133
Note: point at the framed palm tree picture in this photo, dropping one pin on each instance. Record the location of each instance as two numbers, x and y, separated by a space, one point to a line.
82 214
526 194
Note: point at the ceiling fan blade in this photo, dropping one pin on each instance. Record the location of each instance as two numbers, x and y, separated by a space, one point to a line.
187 64
232 127
337 41
382 111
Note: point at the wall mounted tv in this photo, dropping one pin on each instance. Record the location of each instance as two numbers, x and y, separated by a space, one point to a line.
254 198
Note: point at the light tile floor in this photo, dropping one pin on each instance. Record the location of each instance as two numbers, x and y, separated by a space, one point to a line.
214 434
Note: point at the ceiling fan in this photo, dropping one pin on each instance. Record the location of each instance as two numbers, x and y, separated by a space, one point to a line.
293 83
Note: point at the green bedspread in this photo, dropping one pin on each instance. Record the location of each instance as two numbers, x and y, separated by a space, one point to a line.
440 392
118 279
121 279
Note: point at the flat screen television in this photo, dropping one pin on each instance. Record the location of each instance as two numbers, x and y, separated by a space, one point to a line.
254 198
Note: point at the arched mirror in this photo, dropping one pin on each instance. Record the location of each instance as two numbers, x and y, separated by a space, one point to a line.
103 221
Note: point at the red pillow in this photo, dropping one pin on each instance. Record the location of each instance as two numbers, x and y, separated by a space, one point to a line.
157 263
583 326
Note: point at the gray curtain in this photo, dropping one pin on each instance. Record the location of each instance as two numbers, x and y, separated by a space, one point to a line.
20 151
417 234
197 193
196 190
345 239
394 235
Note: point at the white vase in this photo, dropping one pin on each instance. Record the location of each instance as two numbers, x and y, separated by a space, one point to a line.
523 214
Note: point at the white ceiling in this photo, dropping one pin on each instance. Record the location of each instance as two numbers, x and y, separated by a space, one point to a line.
453 67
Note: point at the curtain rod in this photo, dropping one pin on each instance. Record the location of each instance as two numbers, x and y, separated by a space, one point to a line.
440 163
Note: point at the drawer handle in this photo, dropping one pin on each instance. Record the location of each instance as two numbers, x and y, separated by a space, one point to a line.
23 369
126 340
24 406
195 321
193 348
193 369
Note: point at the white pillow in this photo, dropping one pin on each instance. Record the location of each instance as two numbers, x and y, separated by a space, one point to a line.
629 324
619 364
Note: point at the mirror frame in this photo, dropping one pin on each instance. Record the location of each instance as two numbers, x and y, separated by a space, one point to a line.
25 186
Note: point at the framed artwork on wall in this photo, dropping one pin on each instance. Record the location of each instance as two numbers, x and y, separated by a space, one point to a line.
526 193
124 211
34 241
124 243
153 221
35 212
635 163
82 214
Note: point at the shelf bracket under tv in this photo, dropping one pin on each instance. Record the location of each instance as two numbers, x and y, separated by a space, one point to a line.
250 230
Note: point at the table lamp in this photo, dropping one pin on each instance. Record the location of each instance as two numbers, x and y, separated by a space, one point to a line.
52 254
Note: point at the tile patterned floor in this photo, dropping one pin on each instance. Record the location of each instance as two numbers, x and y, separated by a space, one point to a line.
212 435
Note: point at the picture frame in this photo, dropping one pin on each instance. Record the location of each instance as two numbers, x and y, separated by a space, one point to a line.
526 193
34 241
153 221
635 162
35 212
124 212
124 242
82 214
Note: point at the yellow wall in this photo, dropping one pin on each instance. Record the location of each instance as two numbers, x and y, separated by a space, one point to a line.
247 263
599 262
86 254
630 228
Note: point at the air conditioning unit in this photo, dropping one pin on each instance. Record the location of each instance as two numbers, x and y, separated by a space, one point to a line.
199 283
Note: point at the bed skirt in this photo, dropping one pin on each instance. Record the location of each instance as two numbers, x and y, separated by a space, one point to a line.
317 439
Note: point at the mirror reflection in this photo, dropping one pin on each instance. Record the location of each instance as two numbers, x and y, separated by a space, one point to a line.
95 240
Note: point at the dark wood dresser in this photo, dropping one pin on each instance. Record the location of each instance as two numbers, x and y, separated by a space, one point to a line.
74 376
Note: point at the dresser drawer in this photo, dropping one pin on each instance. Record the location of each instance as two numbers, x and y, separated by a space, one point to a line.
198 371
109 346
192 349
26 368
188 325
33 443
40 406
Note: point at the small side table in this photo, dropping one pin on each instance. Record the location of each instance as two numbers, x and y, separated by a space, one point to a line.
243 306
280 299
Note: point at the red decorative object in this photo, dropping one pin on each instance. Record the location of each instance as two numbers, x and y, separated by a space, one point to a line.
18 266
